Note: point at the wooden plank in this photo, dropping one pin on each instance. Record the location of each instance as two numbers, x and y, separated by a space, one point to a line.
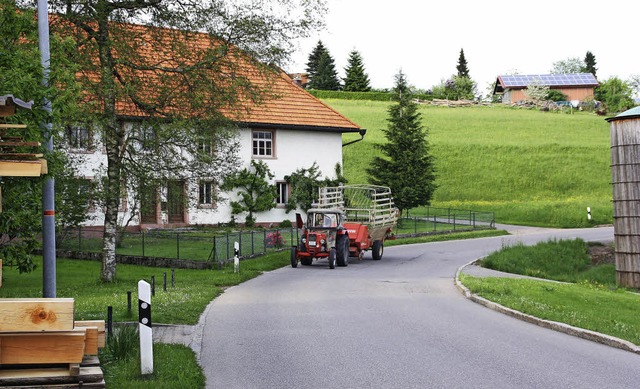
6 125
42 347
20 168
99 324
4 143
20 156
90 376
25 314
44 169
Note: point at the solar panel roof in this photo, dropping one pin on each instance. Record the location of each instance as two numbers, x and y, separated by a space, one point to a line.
521 80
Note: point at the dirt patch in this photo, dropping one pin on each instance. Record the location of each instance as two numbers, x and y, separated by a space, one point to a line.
601 254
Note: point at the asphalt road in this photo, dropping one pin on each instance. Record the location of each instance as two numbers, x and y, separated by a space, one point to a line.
396 323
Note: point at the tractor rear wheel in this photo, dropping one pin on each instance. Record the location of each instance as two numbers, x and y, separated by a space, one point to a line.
294 257
342 250
378 250
332 258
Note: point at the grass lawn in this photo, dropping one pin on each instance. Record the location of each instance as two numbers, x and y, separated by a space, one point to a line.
588 300
529 167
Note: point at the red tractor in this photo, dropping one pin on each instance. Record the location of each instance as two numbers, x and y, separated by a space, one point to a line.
324 236
346 222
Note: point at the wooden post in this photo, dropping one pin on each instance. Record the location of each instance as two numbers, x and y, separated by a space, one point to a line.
146 335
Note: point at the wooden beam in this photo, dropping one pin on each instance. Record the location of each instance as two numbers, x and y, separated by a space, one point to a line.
20 168
23 315
99 324
47 377
42 347
15 143
4 125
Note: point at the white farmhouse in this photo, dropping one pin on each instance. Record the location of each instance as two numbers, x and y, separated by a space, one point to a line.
288 133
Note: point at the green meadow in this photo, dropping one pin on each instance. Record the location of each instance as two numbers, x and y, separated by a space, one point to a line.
529 167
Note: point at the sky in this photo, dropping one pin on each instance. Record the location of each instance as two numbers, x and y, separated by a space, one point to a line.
424 38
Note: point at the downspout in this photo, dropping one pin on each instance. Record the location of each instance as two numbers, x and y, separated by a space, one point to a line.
361 132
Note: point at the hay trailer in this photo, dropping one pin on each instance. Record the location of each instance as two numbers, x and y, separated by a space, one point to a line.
346 222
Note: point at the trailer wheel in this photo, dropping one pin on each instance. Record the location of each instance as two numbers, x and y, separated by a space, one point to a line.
294 257
332 258
378 250
342 250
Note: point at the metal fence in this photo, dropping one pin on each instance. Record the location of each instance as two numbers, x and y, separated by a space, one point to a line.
213 246
433 220
184 244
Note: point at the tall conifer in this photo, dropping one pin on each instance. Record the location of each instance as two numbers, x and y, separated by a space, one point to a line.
406 165
356 79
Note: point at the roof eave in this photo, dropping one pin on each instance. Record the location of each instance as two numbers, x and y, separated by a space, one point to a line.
300 127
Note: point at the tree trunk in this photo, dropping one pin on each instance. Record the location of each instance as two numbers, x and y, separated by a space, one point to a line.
113 138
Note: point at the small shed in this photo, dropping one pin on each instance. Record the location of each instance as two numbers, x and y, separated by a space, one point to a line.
576 86
625 171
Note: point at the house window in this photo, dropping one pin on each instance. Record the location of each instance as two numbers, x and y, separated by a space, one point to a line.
283 192
205 193
205 147
263 143
79 137
147 137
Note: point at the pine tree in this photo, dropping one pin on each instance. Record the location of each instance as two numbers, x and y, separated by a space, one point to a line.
406 165
463 70
326 77
314 59
356 80
590 63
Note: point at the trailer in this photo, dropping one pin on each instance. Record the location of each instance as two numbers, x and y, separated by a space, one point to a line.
347 221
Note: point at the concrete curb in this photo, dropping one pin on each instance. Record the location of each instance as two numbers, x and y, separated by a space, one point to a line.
556 326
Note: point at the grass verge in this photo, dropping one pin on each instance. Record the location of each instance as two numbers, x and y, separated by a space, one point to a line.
585 305
588 297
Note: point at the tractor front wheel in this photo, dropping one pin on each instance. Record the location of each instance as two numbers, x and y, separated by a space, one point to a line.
342 250
294 257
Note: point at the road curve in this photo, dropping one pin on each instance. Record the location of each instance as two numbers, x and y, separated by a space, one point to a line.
396 323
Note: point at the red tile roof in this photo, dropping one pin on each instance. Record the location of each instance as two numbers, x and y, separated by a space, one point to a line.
287 104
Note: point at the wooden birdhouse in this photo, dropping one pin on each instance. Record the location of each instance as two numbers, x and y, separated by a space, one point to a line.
18 158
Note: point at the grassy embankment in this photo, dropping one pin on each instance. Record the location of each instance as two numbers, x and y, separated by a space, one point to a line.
529 167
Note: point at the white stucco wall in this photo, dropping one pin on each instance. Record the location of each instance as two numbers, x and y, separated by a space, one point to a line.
293 150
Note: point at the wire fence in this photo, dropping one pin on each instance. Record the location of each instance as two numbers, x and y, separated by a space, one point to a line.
215 246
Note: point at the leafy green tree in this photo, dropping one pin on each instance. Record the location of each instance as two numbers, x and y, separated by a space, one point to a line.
463 70
536 92
191 88
568 66
314 59
304 184
590 64
615 94
455 88
406 164
357 79
326 77
21 76
255 192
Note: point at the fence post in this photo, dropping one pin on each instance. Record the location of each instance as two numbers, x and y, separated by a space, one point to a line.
143 243
434 223
415 225
129 302
253 242
109 321
239 241
173 278
227 245
79 238
178 245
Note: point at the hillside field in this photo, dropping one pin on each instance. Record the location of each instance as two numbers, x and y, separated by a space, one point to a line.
529 167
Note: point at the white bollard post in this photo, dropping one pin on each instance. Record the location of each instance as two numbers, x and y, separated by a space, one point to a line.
144 319
589 213
236 257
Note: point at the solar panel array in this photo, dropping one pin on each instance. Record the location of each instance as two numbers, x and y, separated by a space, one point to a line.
549 79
